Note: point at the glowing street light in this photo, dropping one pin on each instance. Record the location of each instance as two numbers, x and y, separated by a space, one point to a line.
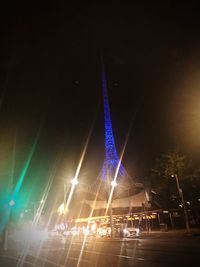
114 183
11 202
74 181
62 209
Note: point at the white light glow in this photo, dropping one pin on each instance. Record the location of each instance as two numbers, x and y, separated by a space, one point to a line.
30 235
165 211
62 209
114 183
12 202
74 181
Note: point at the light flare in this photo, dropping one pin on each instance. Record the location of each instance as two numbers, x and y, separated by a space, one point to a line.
87 228
75 179
28 242
114 182
26 166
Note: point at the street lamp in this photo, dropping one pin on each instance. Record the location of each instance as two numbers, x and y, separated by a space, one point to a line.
114 183
11 203
74 181
180 191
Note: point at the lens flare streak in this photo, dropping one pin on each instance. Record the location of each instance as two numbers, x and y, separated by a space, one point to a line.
27 242
24 171
78 171
117 169
88 223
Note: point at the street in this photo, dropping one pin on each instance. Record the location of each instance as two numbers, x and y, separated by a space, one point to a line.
146 251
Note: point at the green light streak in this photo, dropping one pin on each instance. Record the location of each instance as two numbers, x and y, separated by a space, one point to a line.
24 171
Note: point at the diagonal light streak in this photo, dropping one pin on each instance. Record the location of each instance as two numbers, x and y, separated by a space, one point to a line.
118 166
81 159
88 223
26 166
46 191
84 240
34 224
41 205
37 216
78 169
22 175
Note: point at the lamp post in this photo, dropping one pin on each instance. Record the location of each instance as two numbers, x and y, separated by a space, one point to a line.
180 191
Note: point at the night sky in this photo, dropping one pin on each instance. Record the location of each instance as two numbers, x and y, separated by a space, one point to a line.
50 77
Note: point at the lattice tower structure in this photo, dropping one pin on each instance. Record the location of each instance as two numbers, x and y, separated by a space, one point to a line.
102 186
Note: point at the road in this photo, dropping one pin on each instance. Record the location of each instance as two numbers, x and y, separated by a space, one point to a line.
157 251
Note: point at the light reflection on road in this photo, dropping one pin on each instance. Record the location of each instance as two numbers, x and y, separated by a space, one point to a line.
100 252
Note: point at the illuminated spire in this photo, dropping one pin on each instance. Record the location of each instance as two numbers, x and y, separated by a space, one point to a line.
111 158
112 173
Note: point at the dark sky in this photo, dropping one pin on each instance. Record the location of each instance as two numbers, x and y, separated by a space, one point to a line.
50 75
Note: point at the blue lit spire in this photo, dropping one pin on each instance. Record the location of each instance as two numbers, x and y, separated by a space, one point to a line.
125 184
111 158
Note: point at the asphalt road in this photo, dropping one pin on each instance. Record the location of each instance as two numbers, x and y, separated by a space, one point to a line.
99 252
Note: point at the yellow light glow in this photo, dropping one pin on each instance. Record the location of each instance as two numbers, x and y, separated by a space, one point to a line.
62 209
114 183
74 181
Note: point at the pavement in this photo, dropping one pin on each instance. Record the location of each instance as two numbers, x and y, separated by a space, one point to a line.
176 233
154 248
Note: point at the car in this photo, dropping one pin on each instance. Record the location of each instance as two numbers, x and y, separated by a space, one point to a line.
104 231
131 232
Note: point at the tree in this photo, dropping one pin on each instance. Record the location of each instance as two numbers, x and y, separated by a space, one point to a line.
163 183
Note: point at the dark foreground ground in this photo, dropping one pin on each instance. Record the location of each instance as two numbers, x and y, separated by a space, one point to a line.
154 249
